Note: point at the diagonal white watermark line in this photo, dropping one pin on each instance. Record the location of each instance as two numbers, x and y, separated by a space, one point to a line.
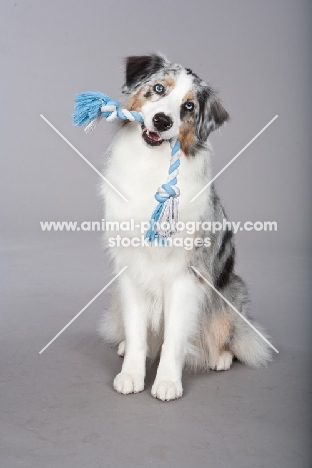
232 160
235 310
82 310
85 159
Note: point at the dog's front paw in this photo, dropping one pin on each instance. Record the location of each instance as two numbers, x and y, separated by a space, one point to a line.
128 383
166 390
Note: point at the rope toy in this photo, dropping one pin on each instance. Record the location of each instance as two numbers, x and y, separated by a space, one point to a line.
90 108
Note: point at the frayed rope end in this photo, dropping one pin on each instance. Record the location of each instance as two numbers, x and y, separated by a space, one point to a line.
88 107
163 223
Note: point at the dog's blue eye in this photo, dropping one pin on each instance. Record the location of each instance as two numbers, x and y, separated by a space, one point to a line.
189 106
158 88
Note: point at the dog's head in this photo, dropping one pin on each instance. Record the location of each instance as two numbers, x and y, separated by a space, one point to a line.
173 100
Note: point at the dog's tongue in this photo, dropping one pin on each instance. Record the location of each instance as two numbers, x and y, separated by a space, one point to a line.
153 136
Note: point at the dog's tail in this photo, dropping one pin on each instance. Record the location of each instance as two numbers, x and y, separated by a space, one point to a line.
248 346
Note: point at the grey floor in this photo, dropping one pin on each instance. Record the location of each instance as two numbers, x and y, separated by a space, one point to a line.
59 408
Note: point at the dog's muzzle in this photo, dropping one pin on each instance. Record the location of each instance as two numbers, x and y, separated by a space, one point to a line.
151 138
161 123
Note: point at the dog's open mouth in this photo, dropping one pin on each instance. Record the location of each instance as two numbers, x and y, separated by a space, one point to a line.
151 138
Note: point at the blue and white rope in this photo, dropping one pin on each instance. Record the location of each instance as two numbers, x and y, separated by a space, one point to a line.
90 108
166 214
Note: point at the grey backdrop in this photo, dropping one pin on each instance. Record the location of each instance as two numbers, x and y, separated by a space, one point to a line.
59 408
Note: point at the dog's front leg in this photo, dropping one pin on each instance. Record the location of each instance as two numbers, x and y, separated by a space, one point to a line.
181 311
134 311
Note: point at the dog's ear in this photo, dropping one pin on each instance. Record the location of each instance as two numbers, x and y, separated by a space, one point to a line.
140 67
211 113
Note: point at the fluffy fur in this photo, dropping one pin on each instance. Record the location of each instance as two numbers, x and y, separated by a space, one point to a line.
160 306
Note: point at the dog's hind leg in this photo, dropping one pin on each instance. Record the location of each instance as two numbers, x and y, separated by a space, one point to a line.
121 348
227 332
111 325
217 335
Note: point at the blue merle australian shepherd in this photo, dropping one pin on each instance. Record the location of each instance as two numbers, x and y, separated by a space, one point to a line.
161 308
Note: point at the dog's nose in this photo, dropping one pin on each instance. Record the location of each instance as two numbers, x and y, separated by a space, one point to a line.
162 122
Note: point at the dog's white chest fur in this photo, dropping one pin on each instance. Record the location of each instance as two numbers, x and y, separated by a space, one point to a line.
137 171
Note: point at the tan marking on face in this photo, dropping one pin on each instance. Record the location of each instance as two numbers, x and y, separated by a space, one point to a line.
170 82
189 96
186 137
136 101
187 128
